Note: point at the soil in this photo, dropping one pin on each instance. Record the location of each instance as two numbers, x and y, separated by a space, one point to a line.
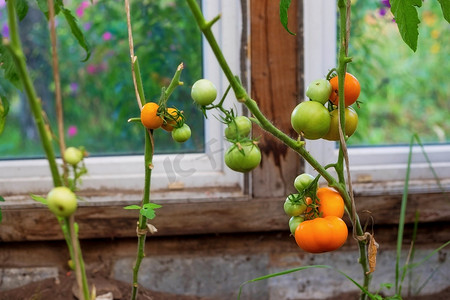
64 288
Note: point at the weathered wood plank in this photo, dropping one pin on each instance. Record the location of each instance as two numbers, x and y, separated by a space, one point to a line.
275 85
222 216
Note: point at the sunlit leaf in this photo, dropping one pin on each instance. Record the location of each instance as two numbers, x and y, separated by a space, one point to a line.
39 199
43 6
406 17
284 7
8 66
4 109
132 207
445 5
148 210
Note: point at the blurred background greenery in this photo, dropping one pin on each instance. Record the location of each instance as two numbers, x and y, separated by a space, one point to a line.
98 94
402 92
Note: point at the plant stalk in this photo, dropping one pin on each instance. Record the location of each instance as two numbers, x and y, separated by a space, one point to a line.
15 48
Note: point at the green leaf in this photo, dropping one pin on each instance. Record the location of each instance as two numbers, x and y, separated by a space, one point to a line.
8 66
407 20
445 5
39 199
132 207
21 7
148 210
284 7
75 29
4 109
43 6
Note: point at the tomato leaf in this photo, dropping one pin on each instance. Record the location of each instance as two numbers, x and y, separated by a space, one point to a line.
43 6
445 5
8 66
21 7
39 199
148 210
4 109
406 17
284 7
75 29
132 207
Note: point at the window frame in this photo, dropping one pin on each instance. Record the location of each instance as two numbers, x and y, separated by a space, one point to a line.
377 169
174 172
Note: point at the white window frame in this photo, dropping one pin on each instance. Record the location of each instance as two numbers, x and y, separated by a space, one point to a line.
374 170
172 172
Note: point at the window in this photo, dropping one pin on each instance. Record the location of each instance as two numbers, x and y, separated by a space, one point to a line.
378 157
192 168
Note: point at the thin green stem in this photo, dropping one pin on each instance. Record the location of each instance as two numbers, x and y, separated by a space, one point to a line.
15 48
80 270
142 223
174 83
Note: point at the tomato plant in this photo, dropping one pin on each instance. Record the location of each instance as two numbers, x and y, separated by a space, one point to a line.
174 116
294 222
351 122
149 116
243 157
311 119
203 92
181 134
62 201
73 155
352 89
319 90
294 205
302 181
239 127
321 234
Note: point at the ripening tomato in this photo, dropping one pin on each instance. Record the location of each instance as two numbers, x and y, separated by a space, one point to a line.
330 202
302 181
240 126
181 134
149 116
319 90
352 89
243 157
62 201
203 92
294 205
311 119
321 234
170 122
73 155
294 222
351 122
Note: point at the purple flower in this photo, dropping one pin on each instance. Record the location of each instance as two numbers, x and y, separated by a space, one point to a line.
72 131
107 36
5 31
81 8
385 3
382 12
73 87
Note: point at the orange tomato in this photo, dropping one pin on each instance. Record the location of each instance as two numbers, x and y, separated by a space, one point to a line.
170 123
352 89
321 234
330 202
149 117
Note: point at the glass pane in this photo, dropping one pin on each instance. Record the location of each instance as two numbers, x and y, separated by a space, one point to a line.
98 94
402 92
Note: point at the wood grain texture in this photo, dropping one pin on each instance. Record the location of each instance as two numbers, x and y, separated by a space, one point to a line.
251 215
275 72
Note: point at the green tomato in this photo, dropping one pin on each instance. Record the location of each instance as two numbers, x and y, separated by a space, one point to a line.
203 92
243 157
351 122
62 201
319 90
311 119
302 181
294 222
292 208
73 155
181 134
240 127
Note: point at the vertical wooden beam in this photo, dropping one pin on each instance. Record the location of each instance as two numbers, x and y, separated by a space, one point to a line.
276 76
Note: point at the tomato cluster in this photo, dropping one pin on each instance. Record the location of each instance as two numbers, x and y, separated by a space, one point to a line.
316 216
314 120
154 116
